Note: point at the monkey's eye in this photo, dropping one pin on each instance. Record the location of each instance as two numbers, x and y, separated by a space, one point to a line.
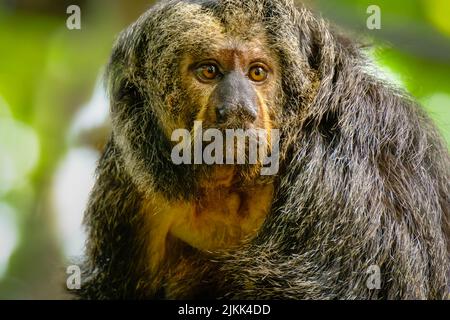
207 72
258 73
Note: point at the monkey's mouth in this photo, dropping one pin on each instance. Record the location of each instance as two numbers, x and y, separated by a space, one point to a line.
236 141
228 145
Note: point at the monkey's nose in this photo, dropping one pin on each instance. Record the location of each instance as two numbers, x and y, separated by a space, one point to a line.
225 112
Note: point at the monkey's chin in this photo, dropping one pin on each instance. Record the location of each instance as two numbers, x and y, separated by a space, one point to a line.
233 124
228 176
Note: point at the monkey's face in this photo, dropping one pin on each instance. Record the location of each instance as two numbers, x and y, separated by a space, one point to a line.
232 85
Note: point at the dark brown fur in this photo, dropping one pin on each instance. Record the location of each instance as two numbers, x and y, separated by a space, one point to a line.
364 180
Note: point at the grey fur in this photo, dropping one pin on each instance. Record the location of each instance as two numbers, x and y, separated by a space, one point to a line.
365 176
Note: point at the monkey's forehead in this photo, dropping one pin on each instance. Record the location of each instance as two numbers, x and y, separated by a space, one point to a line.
189 20
175 25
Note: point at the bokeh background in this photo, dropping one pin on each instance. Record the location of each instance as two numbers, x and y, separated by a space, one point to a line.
53 113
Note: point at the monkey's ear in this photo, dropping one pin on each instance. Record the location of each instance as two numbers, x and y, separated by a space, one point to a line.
324 48
125 71
319 45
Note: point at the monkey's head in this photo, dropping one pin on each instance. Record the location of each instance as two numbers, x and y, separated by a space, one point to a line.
230 64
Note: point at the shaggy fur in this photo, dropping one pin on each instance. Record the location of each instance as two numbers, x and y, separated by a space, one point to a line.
364 180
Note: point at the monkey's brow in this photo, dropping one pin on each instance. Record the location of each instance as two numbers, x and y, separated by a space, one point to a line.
250 52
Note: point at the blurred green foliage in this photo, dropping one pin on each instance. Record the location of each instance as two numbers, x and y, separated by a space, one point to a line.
47 73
